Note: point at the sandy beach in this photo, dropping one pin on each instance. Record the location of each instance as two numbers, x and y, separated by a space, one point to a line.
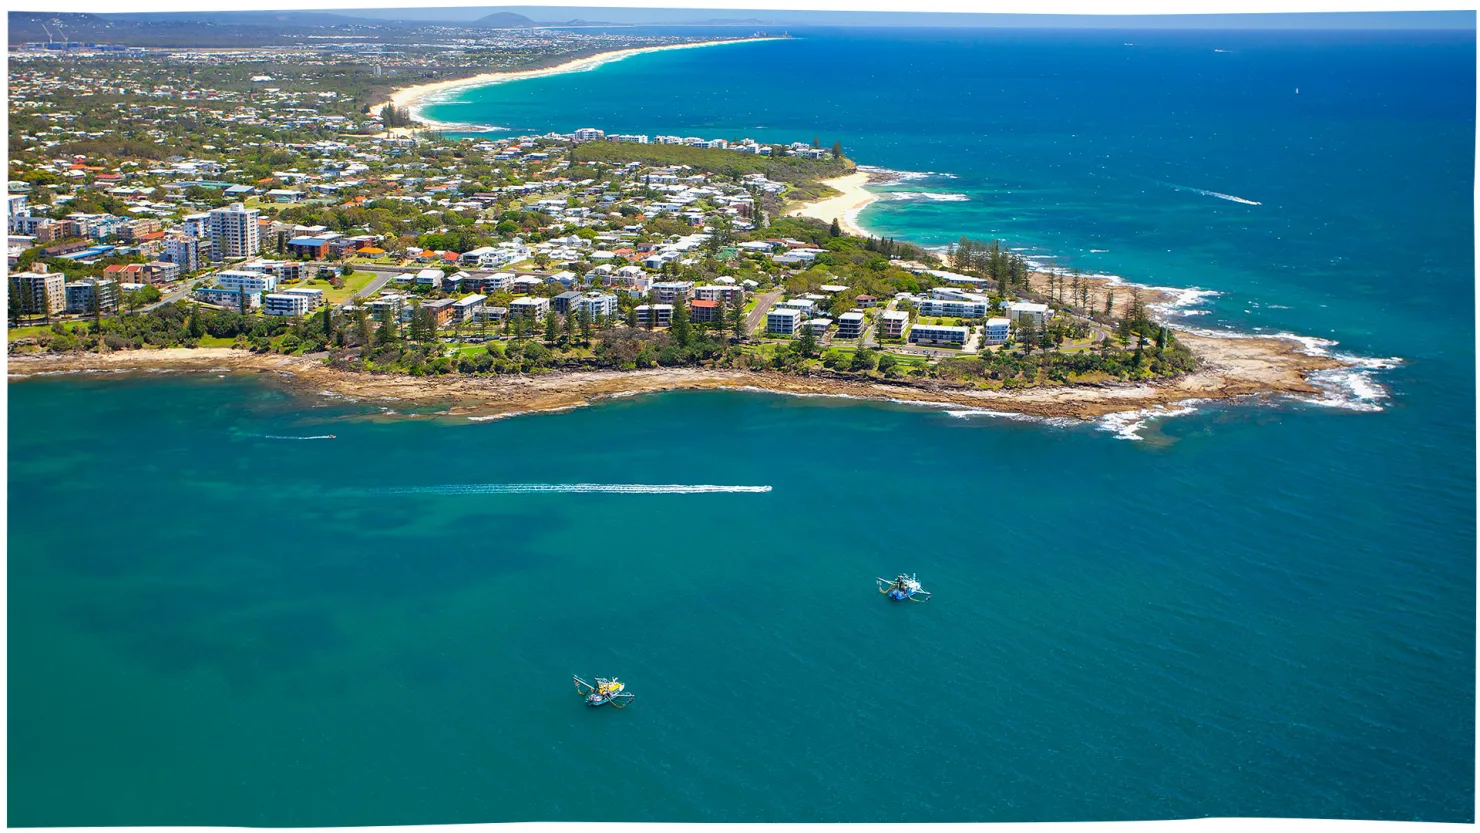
1233 367
845 207
413 98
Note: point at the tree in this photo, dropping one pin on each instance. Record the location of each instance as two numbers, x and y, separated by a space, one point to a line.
806 343
816 143
241 300
362 324
1109 301
678 329
196 328
835 230
837 150
328 323
585 326
887 361
737 320
551 328
570 329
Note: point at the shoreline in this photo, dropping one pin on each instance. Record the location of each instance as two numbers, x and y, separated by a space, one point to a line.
415 97
1232 368
845 207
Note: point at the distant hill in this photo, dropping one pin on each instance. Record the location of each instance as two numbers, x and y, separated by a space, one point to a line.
504 20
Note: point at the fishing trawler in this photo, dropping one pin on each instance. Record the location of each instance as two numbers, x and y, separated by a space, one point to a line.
605 691
903 587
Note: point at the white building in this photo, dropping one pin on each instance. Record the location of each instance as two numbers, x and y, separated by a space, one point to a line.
783 321
664 313
233 231
430 277
466 308
228 297
253 282
995 331
282 303
892 323
596 305
1026 314
937 334
850 325
315 296
953 307
530 307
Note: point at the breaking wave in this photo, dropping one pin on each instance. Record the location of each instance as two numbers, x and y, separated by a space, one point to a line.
896 177
494 417
566 488
925 195
285 437
1127 425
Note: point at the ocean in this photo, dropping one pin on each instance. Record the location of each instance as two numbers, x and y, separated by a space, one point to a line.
1258 608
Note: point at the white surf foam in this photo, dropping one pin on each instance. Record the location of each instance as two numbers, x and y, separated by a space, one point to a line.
494 417
567 488
285 437
1127 425
931 196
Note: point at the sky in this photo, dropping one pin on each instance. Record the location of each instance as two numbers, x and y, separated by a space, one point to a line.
1335 20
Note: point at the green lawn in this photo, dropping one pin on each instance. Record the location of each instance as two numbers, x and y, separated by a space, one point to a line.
352 284
216 341
28 332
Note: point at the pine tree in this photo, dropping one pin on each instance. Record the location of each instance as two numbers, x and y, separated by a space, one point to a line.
1109 301
837 150
197 329
241 300
551 331
1161 339
835 229
586 326
737 321
328 323
806 342
679 328
362 324
570 328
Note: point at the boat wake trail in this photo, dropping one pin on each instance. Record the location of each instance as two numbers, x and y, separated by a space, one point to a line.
1220 195
282 437
565 488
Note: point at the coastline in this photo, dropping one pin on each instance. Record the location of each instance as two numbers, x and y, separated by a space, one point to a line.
1233 368
845 207
415 97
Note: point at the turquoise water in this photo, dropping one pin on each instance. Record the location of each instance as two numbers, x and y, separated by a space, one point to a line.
1259 609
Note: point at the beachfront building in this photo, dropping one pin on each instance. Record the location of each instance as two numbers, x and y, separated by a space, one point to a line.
440 310
430 277
39 292
563 302
818 326
783 321
467 308
953 307
1027 314
531 307
252 282
596 305
233 231
315 296
707 312
386 307
646 313
850 325
730 294
892 323
80 295
995 332
184 251
938 334
229 298
669 292
282 303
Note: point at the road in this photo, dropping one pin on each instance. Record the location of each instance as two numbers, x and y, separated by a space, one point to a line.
762 306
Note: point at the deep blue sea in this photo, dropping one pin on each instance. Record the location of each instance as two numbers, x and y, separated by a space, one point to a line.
1262 608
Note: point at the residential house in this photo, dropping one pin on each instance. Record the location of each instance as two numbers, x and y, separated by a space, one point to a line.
282 303
656 315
